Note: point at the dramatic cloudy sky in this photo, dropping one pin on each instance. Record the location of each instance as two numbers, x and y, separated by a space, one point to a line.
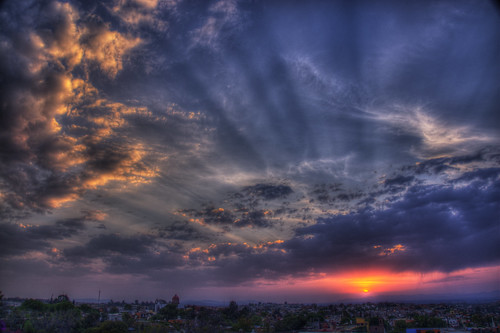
268 150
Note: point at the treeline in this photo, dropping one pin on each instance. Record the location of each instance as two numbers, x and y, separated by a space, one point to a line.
66 317
37 316
235 319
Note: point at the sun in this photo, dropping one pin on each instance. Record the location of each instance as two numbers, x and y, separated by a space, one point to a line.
365 290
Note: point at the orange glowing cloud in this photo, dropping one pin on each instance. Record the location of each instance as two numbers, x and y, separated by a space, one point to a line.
107 48
66 45
390 250
137 12
130 169
96 215
211 253
72 44
75 42
58 201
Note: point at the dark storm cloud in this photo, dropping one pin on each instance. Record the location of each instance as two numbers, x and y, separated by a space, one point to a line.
12 268
211 215
135 254
440 228
242 208
107 244
430 228
239 263
255 218
483 165
240 217
15 241
324 193
399 180
165 261
490 174
18 239
183 231
489 155
268 191
73 225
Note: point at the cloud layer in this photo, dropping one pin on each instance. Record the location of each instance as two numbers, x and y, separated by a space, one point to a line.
230 143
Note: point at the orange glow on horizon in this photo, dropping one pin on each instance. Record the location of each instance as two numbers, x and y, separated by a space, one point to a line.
364 284
373 282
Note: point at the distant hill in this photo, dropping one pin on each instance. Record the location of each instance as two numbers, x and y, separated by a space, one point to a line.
490 296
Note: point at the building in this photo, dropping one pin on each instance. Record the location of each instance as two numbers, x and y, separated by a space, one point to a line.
360 321
62 298
377 326
160 303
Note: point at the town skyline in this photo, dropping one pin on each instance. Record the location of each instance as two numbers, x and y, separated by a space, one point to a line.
483 298
300 151
171 316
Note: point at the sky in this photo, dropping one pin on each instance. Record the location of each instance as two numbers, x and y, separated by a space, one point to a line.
300 151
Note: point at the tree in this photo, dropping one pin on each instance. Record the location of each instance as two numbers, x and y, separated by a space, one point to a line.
15 319
128 319
33 305
63 306
231 312
168 312
109 327
244 324
28 327
2 312
85 308
91 319
400 326
49 320
424 321
292 322
479 320
209 320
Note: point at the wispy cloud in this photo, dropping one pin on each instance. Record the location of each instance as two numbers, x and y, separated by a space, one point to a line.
224 16
436 137
142 13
